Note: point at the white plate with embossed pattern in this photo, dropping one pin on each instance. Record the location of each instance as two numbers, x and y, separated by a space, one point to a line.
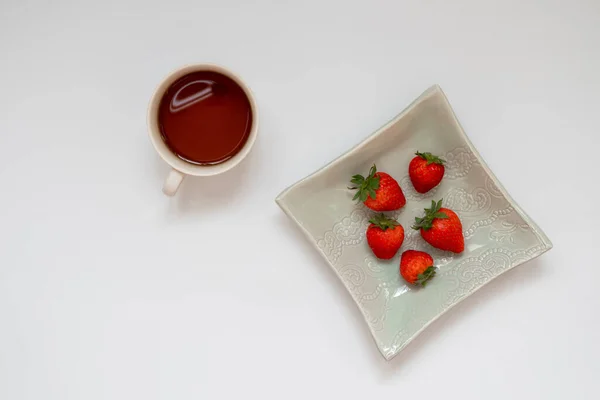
498 234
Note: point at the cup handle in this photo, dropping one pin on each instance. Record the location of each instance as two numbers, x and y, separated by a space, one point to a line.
172 182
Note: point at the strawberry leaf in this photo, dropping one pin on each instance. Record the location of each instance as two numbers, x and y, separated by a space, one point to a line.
366 186
430 214
430 158
384 222
426 276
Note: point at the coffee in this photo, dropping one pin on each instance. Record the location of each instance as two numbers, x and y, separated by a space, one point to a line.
205 117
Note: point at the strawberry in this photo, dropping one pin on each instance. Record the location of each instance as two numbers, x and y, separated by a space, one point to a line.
441 228
385 236
379 191
426 171
416 267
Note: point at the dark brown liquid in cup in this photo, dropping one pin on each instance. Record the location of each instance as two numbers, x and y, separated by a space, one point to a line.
205 118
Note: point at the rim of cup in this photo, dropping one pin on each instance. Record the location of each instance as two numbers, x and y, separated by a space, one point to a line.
163 150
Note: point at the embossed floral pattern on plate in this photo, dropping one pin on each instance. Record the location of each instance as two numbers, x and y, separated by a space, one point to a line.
498 234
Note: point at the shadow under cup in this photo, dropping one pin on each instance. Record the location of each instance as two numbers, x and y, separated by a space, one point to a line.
202 121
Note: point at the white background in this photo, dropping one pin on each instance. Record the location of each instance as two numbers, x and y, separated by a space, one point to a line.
110 290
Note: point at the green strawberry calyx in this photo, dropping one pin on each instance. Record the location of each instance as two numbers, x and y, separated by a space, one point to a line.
366 186
430 214
425 276
383 222
430 158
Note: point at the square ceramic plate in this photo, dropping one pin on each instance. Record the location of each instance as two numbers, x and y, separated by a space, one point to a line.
498 234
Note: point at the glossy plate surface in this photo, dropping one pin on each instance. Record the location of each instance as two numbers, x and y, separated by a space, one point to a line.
498 234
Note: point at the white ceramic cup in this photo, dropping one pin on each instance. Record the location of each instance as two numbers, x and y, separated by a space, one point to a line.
182 168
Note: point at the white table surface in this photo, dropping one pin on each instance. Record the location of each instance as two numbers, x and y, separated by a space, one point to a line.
110 290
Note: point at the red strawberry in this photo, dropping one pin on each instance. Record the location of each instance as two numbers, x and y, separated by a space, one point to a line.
426 171
385 236
441 228
379 191
416 267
